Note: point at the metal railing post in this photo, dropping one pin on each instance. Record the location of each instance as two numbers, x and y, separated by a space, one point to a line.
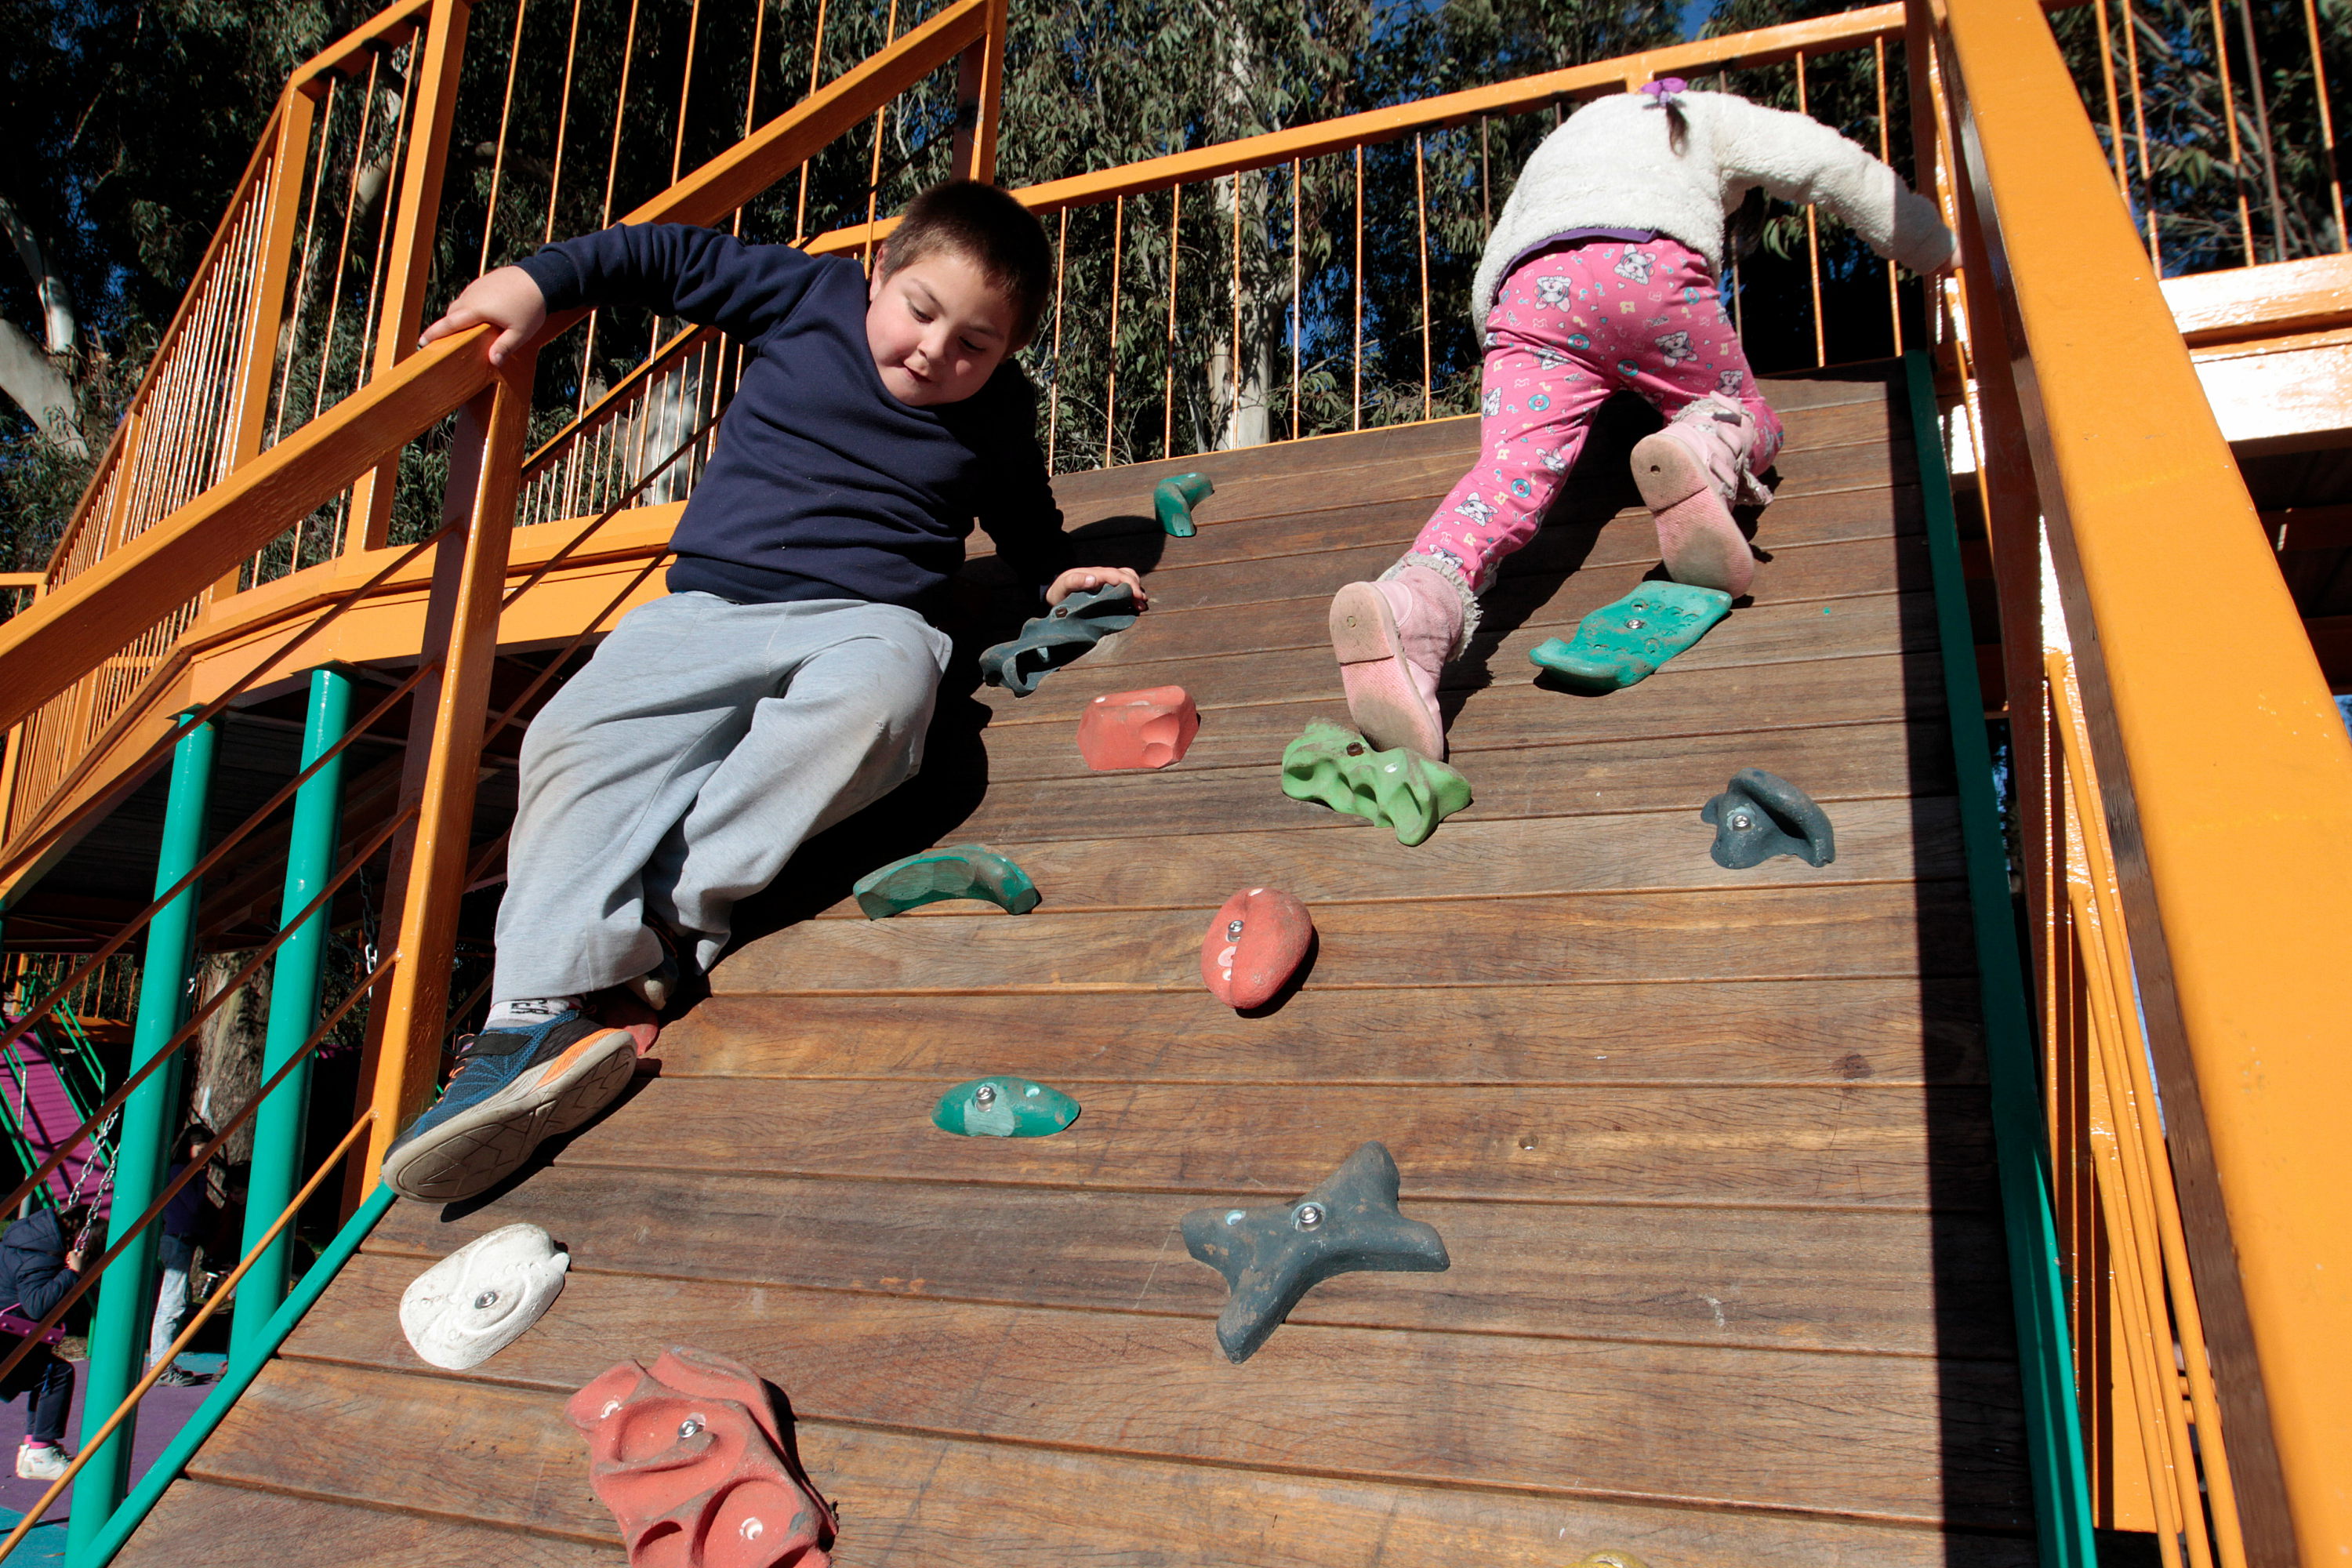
126 1297
294 987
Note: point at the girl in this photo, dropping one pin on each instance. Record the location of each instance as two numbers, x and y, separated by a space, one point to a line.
1601 274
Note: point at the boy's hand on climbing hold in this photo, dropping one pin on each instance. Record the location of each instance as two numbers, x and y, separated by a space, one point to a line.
506 298
1087 579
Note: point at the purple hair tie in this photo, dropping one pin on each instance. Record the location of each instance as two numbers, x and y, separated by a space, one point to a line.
1664 90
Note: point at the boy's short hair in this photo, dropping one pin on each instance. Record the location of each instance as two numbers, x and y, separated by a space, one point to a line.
986 227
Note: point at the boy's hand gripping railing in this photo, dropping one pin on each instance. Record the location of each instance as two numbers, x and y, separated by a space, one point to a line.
2223 769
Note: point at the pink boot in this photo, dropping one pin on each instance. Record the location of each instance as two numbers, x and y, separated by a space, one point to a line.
1392 638
1690 473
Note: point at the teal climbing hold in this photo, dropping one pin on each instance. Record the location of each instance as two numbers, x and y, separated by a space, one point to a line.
1620 643
1003 1107
1175 497
1059 637
965 872
1401 790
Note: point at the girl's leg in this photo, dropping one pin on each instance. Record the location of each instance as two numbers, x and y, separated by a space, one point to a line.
1671 341
1393 636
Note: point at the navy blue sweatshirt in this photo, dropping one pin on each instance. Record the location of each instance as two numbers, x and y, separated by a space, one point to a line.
33 1264
821 484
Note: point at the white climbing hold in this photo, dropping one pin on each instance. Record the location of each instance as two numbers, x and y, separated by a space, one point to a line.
478 1301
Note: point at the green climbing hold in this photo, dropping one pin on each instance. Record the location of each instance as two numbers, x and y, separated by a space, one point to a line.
1400 789
1175 497
1620 643
966 871
1003 1107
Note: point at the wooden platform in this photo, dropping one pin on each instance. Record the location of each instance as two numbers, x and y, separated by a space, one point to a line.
1710 1149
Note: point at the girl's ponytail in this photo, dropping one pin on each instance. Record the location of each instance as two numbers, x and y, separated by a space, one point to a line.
1666 93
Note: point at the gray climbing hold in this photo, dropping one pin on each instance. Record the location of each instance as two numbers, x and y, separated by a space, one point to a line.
1272 1257
1760 816
1057 637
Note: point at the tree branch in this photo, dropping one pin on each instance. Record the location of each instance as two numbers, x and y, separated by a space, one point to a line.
56 299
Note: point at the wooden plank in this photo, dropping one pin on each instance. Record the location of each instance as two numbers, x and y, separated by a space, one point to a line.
1673 770
1901 1438
1878 841
1249 713
1855 1145
1906 1031
1523 613
253 1522
1627 532
935 1502
1804 629
1773 1280
1348 477
1746 934
1439 450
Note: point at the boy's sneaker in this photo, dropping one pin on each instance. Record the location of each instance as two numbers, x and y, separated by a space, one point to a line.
40 1462
512 1088
177 1376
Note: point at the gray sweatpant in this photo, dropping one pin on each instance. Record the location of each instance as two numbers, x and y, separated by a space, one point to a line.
677 772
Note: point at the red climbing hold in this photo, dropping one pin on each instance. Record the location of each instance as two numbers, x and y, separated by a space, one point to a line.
692 1461
1255 945
1149 729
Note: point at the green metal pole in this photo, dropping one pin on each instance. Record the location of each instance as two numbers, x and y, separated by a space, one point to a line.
294 987
126 1297
2053 1419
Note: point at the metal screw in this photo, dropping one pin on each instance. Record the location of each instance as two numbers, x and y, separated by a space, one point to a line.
1635 626
1233 931
1743 823
984 1096
689 1428
486 1299
1355 748
1232 1217
1307 1217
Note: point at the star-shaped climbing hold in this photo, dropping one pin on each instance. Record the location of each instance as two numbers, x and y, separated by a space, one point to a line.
1272 1257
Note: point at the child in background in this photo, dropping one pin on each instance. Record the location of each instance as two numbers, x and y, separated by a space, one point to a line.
1600 275
41 1258
788 677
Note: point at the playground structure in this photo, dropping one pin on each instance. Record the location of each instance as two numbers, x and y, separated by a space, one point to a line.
1992 1296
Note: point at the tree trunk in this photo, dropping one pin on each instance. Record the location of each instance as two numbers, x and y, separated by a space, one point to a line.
35 383
56 299
228 1050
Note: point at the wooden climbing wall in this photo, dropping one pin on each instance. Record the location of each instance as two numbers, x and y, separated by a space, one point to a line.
1710 1149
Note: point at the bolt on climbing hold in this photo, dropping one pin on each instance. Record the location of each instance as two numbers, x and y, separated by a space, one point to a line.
1272 1257
1004 1108
1401 790
1174 497
1146 729
1621 643
1760 816
1059 637
481 1299
1257 942
965 872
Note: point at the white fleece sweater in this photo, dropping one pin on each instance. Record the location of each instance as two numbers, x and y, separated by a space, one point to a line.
1612 165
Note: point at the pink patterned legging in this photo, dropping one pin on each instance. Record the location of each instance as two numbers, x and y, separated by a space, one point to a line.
1568 327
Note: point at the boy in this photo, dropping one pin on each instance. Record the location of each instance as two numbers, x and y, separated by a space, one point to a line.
788 678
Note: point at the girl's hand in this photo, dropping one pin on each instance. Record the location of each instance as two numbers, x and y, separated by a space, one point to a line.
506 298
1087 579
